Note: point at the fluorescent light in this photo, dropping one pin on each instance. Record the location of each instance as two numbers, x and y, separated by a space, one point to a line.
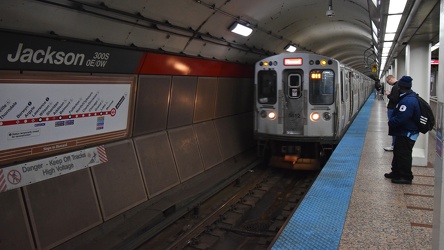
397 6
375 30
436 46
392 23
389 36
387 44
375 37
290 48
240 29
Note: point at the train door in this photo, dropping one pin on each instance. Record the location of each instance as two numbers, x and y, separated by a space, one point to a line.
345 106
350 84
346 96
354 95
294 105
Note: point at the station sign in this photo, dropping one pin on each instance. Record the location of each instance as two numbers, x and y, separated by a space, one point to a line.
26 52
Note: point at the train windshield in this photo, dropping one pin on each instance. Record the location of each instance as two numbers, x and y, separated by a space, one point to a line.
321 87
267 86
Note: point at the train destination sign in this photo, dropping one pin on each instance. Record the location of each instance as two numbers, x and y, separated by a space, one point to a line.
31 172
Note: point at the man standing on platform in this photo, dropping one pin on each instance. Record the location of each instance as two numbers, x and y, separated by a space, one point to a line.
393 97
402 125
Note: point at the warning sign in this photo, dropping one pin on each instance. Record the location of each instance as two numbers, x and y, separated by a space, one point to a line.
31 172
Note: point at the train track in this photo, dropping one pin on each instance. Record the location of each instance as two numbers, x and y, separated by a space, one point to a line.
247 214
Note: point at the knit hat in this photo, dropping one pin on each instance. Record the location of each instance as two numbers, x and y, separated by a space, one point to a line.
405 81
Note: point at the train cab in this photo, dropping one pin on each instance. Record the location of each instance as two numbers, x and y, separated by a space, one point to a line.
304 103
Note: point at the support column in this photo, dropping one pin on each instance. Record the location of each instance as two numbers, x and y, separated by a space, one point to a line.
438 202
395 68
400 67
419 70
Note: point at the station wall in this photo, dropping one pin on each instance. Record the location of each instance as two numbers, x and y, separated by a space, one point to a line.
183 124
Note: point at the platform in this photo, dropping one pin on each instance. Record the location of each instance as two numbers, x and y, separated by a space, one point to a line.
352 206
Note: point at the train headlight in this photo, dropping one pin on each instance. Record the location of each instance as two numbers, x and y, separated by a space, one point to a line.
263 113
326 116
272 115
314 117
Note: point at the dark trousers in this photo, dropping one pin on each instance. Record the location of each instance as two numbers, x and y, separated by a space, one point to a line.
402 157
389 114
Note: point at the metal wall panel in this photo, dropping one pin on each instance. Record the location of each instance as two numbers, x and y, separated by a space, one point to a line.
208 143
235 134
226 100
63 207
157 162
246 128
205 99
246 95
183 94
234 96
15 230
119 181
152 102
186 153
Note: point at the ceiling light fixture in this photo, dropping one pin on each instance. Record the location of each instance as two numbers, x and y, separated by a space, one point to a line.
290 48
397 7
330 11
240 29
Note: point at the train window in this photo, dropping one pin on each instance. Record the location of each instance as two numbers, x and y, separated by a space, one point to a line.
294 85
321 87
294 80
267 87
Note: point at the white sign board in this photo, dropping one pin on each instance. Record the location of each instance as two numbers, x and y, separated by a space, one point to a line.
32 114
31 172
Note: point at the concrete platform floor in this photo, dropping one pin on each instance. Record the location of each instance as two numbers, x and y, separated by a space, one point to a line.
383 215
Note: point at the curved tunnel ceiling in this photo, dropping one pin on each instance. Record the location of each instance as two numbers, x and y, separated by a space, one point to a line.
200 28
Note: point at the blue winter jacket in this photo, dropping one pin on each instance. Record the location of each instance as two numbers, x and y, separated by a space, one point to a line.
405 116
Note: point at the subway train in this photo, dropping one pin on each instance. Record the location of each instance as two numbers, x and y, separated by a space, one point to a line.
304 104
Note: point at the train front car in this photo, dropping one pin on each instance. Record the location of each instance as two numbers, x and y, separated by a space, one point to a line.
296 113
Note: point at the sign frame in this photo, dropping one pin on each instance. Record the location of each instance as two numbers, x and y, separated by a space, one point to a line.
111 84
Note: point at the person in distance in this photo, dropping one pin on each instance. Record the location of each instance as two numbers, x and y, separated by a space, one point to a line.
393 97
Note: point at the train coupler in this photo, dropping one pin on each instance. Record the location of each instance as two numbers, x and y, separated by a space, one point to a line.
294 162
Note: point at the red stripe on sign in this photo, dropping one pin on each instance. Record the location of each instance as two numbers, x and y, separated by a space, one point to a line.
55 118
102 154
3 186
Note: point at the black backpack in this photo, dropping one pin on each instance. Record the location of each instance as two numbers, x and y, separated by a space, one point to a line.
427 119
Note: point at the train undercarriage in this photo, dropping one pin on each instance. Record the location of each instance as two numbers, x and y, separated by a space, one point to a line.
295 155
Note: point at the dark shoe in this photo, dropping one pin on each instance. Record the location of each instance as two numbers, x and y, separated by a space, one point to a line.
390 175
401 181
